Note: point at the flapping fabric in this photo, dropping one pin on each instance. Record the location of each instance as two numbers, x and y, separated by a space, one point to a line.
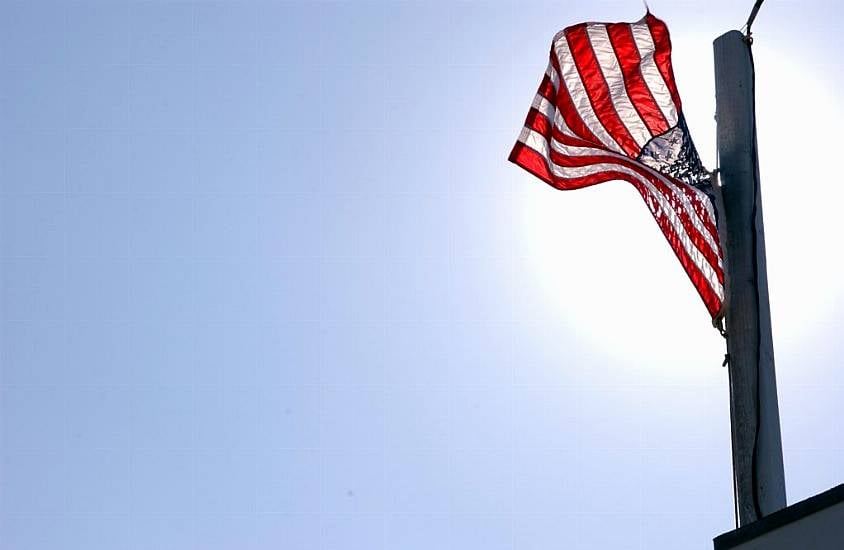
608 109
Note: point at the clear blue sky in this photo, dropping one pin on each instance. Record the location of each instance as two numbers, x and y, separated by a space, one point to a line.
267 281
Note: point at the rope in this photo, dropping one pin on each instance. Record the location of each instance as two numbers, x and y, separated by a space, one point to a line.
753 13
754 215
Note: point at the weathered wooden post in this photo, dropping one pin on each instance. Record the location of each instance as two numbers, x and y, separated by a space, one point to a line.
754 413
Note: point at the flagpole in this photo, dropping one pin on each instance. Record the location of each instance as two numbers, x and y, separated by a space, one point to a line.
754 414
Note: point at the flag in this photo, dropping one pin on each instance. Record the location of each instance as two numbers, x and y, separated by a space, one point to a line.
608 109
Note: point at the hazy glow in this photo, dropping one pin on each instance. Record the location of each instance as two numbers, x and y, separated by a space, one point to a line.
798 122
603 262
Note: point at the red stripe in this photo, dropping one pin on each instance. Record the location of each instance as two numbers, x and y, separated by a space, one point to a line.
597 89
569 112
710 298
536 163
662 55
697 239
684 215
539 123
700 209
531 161
546 89
621 38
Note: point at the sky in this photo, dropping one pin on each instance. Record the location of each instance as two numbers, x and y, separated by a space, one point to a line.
268 281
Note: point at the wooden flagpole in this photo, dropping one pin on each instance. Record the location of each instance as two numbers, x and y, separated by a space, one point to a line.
754 413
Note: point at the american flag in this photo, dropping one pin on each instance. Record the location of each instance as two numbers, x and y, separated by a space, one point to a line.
608 109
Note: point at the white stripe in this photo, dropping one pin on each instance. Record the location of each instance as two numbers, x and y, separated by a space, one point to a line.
709 212
578 93
687 205
537 142
563 127
702 199
650 72
553 115
540 144
604 52
553 76
544 106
